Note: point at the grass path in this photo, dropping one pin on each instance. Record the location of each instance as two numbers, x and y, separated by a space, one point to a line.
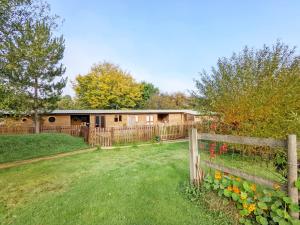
129 186
75 152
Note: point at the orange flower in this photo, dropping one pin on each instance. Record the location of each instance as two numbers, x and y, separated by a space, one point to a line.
218 175
229 188
236 189
253 187
238 179
251 207
245 205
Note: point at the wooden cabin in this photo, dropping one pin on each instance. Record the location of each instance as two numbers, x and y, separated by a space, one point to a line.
110 118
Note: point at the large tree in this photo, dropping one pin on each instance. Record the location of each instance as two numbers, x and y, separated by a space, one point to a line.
13 14
256 91
177 100
148 90
107 86
30 65
67 102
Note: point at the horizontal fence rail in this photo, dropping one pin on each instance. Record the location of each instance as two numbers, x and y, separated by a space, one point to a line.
239 173
273 143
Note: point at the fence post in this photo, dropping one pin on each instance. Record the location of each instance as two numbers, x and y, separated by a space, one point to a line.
112 134
292 171
194 157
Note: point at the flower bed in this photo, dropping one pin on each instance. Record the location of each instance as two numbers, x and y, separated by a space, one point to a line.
256 205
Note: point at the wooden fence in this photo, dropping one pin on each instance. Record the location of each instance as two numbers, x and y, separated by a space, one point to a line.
290 144
114 135
74 130
16 130
123 135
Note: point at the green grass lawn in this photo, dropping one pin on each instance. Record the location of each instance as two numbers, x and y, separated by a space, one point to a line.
18 147
138 185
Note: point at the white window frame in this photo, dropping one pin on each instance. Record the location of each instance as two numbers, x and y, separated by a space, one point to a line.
149 119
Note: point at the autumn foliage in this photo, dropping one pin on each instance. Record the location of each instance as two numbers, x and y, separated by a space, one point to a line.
107 87
257 92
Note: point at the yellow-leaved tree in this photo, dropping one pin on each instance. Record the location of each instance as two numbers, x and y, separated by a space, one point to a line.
107 86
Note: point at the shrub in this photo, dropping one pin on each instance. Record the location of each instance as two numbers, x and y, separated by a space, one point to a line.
257 91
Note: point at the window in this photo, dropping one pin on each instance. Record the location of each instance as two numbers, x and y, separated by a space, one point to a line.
118 118
51 119
149 120
97 121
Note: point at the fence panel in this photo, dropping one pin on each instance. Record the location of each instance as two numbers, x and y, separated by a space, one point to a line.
113 135
290 146
73 130
16 130
100 136
133 134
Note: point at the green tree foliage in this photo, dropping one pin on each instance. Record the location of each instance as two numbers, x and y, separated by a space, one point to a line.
13 13
256 91
30 68
67 102
176 100
148 90
12 100
107 86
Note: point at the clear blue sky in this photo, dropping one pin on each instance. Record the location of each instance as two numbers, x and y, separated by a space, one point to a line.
168 42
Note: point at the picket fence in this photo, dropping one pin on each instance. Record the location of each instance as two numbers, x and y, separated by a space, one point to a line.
123 135
106 137
74 130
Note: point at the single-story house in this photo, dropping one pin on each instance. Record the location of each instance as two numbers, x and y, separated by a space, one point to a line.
112 118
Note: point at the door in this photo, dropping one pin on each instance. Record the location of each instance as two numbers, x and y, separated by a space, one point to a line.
132 120
100 121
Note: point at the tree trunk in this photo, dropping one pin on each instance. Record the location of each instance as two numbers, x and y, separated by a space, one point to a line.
36 122
36 113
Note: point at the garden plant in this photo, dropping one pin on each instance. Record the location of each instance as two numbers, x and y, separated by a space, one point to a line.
256 204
